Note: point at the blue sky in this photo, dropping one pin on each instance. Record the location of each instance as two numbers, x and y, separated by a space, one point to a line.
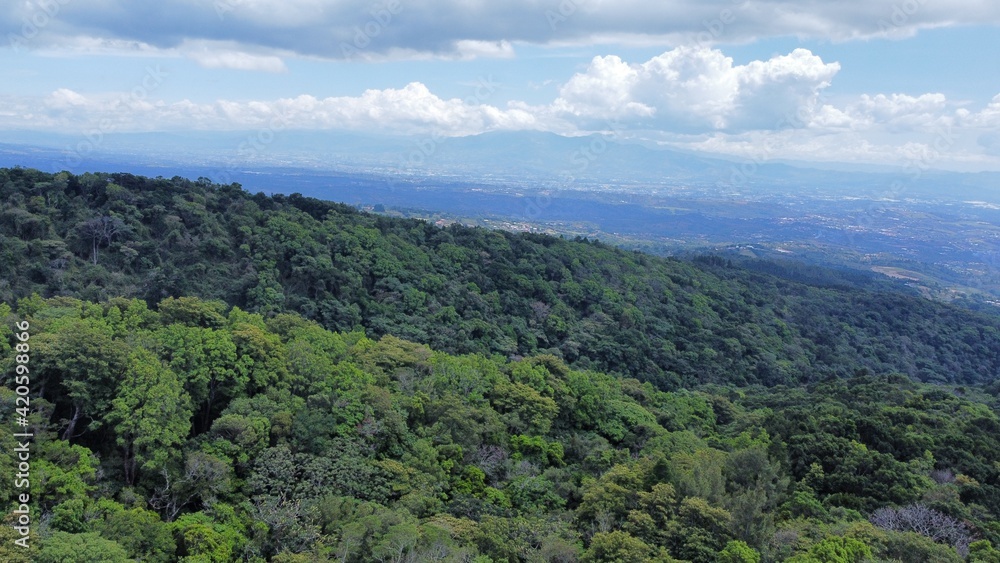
906 82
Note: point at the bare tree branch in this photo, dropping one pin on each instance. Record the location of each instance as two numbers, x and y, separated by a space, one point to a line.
927 522
101 230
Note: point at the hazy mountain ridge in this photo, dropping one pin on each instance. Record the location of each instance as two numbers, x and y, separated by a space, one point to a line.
524 154
466 290
184 428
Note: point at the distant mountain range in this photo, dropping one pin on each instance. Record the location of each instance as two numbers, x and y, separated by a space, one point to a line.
511 158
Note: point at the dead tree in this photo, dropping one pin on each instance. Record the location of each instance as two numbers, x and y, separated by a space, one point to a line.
101 230
927 522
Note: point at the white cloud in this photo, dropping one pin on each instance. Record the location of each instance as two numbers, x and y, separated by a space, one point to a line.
688 90
457 28
64 98
412 109
782 91
902 112
239 61
693 97
761 147
699 89
603 91
468 49
989 117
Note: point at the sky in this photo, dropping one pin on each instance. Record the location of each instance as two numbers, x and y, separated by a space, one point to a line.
899 82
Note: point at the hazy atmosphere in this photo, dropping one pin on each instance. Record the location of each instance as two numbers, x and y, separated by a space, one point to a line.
525 281
853 81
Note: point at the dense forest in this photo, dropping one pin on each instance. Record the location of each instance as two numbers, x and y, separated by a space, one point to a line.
218 376
204 433
470 290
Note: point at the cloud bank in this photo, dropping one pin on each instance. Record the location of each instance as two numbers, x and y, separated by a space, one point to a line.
337 29
687 91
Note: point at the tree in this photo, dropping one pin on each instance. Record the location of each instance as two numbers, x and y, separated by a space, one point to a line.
201 539
607 501
63 547
620 547
754 486
206 359
911 547
101 230
141 532
700 474
835 549
80 357
983 552
738 551
64 471
151 415
701 531
927 522
14 553
524 409
192 311
204 477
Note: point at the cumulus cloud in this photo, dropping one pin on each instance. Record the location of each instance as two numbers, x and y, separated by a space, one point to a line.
412 109
64 98
688 90
698 89
693 97
989 117
901 112
456 28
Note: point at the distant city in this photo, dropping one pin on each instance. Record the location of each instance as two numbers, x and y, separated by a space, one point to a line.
936 231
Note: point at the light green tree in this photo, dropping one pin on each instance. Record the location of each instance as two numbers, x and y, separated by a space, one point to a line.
63 547
151 415
206 359
79 364
738 551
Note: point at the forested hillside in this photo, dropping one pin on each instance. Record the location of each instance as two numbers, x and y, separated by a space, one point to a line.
195 432
217 376
461 290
